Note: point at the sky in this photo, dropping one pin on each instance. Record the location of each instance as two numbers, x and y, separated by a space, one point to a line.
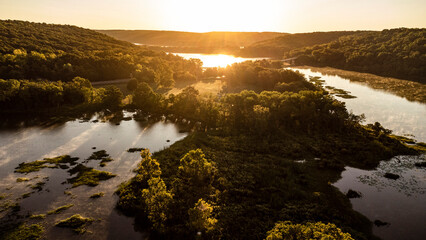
222 15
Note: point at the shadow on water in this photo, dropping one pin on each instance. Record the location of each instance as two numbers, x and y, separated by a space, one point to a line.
34 140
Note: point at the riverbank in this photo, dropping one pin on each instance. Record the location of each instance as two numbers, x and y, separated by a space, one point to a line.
412 91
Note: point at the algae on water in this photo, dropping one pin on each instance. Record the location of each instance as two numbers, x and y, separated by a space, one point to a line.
23 231
60 209
56 162
88 176
76 222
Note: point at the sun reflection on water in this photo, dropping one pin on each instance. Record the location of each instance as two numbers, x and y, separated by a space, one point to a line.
216 60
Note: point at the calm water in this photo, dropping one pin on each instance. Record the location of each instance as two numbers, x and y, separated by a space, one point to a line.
216 60
401 202
393 112
77 138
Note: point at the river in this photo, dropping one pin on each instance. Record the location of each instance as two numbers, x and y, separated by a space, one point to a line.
399 204
78 138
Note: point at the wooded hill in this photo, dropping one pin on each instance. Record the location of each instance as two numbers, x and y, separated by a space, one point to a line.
61 52
208 40
399 53
277 46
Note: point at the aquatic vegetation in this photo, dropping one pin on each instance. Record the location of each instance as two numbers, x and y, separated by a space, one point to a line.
104 161
26 195
76 222
38 216
22 179
38 186
131 150
412 91
23 231
97 195
410 178
60 209
37 165
87 176
6 205
100 155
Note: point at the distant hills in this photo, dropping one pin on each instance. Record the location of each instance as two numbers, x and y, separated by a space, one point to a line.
399 53
191 42
52 38
276 47
247 44
191 39
51 51
40 51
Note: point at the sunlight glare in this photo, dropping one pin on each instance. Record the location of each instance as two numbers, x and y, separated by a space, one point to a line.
216 60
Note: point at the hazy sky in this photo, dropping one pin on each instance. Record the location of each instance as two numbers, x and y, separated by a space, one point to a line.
222 15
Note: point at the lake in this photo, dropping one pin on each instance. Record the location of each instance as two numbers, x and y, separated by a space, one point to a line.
77 138
216 60
401 202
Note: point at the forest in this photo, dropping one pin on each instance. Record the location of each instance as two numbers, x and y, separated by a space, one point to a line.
278 46
210 42
238 174
60 52
399 53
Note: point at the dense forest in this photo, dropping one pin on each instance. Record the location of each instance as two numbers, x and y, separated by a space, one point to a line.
261 156
399 53
277 46
61 52
190 41
237 176
246 44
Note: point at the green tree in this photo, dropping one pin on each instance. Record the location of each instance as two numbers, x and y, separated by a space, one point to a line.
146 99
157 201
112 97
289 231
195 178
200 217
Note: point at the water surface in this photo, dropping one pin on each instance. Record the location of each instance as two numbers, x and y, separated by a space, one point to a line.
77 138
216 60
393 112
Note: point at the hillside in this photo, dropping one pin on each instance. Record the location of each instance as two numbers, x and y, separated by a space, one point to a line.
277 46
191 39
42 37
399 53
61 52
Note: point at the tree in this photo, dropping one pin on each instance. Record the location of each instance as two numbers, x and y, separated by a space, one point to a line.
195 178
289 231
130 193
112 97
149 167
132 84
157 201
200 217
145 98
